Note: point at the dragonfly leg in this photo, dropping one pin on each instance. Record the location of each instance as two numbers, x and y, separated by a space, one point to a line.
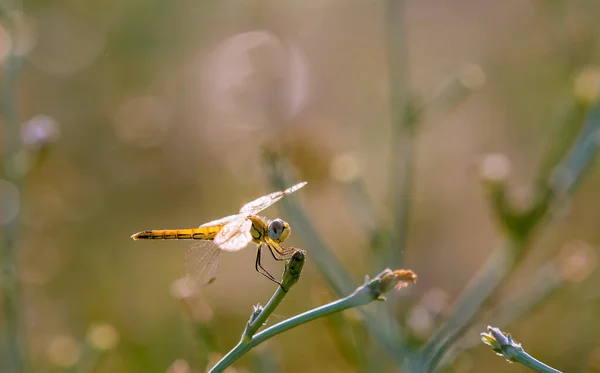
260 269
281 253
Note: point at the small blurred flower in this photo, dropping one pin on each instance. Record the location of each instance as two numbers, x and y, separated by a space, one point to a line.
345 168
577 261
587 84
494 167
179 366
39 131
63 351
102 336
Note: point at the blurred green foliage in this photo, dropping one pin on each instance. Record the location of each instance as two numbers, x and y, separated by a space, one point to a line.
162 119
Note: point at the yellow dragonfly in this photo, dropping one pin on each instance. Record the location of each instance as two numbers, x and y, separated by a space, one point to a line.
231 233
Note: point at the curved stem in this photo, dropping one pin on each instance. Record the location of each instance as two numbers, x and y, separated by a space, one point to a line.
290 277
365 294
504 345
529 361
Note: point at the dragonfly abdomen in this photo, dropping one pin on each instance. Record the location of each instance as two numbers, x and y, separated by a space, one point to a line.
203 233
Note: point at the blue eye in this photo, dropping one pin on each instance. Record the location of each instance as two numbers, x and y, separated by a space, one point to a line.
276 229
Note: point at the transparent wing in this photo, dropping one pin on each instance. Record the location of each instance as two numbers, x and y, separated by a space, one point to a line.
235 235
202 261
262 203
221 221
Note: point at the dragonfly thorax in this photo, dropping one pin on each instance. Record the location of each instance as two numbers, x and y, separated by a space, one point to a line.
277 230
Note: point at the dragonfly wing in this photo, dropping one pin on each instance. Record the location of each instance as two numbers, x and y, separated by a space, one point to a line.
202 261
235 235
262 203
221 221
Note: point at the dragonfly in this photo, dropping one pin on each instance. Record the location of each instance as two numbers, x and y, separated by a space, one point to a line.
231 233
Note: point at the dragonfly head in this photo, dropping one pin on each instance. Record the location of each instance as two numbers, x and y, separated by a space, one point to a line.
279 230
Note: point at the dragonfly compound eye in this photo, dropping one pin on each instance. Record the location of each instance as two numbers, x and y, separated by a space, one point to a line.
279 230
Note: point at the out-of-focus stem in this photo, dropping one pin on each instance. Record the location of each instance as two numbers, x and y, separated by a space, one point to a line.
486 282
519 226
10 231
402 129
385 329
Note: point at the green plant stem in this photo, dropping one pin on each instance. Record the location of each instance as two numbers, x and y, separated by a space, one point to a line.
543 284
529 361
365 294
17 359
246 345
504 345
291 274
262 317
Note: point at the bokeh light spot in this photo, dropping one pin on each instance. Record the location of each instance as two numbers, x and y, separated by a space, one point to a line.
179 366
420 321
494 167
576 261
256 80
587 84
102 336
435 300
66 45
345 168
24 33
63 351
472 77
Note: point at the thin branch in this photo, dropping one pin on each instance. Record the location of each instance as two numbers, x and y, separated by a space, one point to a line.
260 314
504 345
372 290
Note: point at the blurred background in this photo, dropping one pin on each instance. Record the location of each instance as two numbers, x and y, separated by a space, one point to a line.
155 114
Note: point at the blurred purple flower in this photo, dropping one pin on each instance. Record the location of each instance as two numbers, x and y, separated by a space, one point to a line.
39 131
